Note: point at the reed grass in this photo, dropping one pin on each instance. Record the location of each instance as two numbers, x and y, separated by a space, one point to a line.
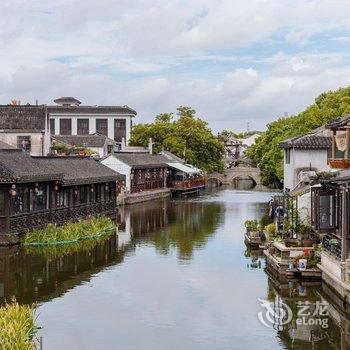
51 252
71 232
17 327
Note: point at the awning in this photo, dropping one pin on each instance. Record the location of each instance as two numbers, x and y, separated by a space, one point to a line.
184 168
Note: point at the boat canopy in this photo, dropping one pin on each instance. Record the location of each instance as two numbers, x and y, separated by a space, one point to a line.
184 168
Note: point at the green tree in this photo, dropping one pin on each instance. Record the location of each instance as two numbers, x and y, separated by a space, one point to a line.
266 153
185 135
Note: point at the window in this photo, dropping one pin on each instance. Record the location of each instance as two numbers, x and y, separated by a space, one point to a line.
288 156
102 126
65 126
83 194
24 142
19 201
60 198
83 127
119 129
326 208
38 198
52 126
2 202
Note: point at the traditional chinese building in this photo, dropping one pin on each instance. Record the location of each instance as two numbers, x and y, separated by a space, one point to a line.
143 172
304 156
70 117
35 191
330 203
25 127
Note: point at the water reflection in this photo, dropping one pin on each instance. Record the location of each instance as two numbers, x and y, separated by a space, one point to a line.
255 258
181 225
177 275
327 329
37 275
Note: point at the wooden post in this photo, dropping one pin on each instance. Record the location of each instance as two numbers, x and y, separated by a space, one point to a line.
334 145
347 140
345 220
7 208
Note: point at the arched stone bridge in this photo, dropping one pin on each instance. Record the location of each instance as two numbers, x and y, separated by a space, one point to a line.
233 173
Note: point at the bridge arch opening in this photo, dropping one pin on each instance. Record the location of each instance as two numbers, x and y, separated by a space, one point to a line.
244 182
213 182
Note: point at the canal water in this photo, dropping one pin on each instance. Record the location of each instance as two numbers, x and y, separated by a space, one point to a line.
178 276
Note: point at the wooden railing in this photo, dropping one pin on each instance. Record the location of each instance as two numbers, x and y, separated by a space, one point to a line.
339 163
146 186
332 245
20 223
187 184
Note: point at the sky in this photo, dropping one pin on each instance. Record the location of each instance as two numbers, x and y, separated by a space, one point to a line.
235 62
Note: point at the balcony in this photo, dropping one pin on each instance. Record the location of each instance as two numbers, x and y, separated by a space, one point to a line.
332 245
339 163
187 184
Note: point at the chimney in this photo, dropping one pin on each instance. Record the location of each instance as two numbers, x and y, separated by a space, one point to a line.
150 145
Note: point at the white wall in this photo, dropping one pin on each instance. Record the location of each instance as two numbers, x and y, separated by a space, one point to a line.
120 167
303 158
37 141
92 122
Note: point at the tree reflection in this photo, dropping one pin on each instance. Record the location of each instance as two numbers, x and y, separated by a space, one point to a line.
182 225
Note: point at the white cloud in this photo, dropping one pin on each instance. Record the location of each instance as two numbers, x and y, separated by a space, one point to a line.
157 55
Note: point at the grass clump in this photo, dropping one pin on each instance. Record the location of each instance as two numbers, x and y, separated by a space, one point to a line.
50 252
71 232
17 327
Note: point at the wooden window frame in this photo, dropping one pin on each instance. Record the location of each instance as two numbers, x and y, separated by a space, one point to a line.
64 130
83 125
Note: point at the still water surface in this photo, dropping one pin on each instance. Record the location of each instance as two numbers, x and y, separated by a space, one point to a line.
179 276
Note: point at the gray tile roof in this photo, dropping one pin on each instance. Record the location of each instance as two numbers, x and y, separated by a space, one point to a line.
172 157
307 141
79 170
142 160
19 166
91 109
336 123
22 117
67 100
92 140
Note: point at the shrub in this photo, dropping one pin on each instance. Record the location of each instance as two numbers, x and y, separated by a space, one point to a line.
265 220
252 225
271 229
17 327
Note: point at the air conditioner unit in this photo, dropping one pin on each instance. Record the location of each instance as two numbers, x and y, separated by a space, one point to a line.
306 175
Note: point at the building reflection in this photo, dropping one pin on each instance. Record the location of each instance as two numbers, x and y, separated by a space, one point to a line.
255 257
40 275
335 332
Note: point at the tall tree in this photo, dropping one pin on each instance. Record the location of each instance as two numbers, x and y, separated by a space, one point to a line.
266 153
185 135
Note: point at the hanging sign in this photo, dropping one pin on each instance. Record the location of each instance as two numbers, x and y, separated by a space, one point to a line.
340 140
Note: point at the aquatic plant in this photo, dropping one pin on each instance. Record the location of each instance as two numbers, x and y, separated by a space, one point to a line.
71 232
50 252
17 327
